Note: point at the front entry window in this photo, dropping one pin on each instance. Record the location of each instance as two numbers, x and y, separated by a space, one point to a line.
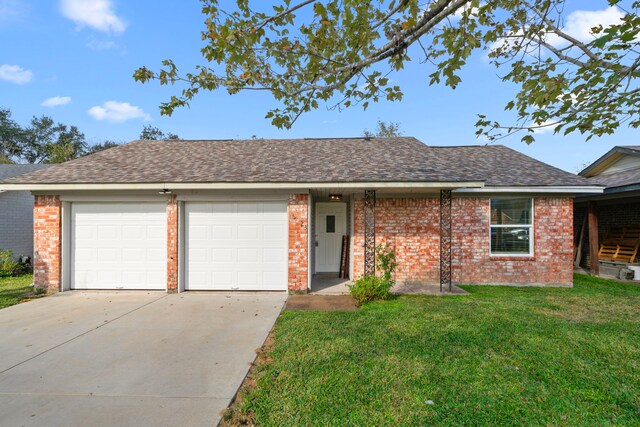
331 224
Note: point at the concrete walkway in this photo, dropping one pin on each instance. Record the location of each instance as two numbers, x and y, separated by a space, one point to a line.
128 358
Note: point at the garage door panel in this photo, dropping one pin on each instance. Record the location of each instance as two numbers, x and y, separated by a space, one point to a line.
222 255
249 232
272 255
246 244
248 209
118 246
274 232
222 232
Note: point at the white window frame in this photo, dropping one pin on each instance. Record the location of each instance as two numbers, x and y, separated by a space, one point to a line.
530 254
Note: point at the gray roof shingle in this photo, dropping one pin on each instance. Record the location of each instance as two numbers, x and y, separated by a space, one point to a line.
401 159
618 179
10 170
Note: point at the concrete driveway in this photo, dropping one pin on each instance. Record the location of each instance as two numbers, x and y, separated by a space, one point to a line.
128 358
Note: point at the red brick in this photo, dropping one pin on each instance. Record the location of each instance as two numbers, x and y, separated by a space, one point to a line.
172 244
47 225
412 227
298 211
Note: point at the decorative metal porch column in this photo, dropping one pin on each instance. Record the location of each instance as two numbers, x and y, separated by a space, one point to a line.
369 232
445 239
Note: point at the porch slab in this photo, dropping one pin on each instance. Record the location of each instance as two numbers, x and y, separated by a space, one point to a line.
329 284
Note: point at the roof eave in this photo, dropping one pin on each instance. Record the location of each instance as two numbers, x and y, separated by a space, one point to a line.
607 160
559 189
52 187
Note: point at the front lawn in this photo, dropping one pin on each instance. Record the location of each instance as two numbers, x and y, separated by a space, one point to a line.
500 356
14 289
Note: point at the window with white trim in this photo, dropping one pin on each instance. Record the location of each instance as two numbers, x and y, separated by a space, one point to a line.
512 226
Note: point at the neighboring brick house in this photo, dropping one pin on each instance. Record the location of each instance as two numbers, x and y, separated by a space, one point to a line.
618 207
271 214
16 213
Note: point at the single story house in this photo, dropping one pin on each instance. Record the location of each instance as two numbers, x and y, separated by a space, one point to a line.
16 213
608 225
268 214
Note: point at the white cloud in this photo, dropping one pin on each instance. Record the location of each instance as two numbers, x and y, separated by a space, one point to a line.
94 44
580 22
544 127
56 101
461 10
96 14
15 74
578 25
114 111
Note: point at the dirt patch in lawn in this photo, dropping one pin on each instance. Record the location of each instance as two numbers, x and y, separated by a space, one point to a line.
321 303
234 415
581 310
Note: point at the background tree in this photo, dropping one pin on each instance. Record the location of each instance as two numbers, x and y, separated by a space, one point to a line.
309 52
102 146
45 141
10 137
152 133
384 130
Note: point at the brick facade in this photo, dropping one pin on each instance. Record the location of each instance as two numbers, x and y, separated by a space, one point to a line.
411 227
298 270
47 228
552 260
172 244
408 225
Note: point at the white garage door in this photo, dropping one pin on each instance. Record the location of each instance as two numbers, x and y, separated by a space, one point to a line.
236 246
119 246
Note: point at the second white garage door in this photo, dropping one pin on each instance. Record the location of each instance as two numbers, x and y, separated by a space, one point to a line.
236 246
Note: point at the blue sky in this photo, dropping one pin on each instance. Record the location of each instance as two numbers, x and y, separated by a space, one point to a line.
80 56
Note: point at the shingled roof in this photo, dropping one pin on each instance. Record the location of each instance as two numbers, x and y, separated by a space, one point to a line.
401 159
11 170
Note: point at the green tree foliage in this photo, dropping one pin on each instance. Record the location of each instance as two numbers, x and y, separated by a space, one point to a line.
309 52
103 146
152 133
45 141
41 141
384 130
10 137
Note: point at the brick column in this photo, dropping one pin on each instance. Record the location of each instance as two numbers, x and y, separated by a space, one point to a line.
298 242
172 244
47 229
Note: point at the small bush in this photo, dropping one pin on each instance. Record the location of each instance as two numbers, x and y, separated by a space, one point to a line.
10 267
370 288
374 288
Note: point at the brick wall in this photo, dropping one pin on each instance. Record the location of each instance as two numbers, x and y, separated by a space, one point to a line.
553 245
172 244
411 226
298 242
47 226
16 222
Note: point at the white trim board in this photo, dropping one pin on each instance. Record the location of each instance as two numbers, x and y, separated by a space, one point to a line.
236 185
518 190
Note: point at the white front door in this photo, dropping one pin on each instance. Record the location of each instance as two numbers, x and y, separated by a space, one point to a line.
236 245
331 225
118 246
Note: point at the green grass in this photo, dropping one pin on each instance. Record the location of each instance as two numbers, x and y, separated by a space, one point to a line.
500 356
14 289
